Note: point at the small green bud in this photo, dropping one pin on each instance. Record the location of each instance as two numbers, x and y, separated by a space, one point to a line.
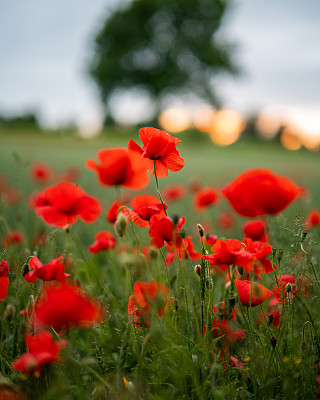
153 252
274 251
120 225
280 255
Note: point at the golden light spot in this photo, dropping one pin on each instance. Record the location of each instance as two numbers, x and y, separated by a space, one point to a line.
290 138
268 123
174 120
297 361
311 142
203 120
126 383
285 360
227 127
247 359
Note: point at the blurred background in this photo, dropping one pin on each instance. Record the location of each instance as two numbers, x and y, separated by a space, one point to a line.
229 70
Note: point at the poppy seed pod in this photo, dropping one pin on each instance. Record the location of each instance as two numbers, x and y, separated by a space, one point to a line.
273 341
279 255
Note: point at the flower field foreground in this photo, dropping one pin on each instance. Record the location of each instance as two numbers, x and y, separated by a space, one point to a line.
156 290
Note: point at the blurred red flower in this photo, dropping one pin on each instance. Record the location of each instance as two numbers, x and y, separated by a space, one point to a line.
11 238
112 213
173 193
186 250
4 280
226 220
103 240
147 297
144 207
255 230
41 173
204 198
230 252
42 350
119 166
209 239
164 230
65 306
259 192
159 147
254 290
62 204
313 219
54 271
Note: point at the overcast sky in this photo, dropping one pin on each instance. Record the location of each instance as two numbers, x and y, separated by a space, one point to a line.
45 46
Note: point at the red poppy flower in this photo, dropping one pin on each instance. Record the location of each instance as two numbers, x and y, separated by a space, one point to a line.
62 204
173 193
54 271
42 350
103 240
64 306
113 211
226 220
147 297
313 219
259 192
11 238
163 230
204 198
209 239
159 147
230 252
118 166
255 230
186 250
41 173
255 290
144 207
261 251
4 280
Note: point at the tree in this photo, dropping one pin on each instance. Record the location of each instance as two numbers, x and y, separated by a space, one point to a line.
163 46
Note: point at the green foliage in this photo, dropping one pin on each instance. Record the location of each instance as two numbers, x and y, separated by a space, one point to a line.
164 46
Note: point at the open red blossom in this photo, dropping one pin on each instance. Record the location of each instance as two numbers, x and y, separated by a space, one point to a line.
11 238
54 271
4 280
313 219
118 166
103 240
65 306
41 173
230 252
62 204
159 147
204 198
144 207
42 350
112 213
164 230
255 230
148 297
173 193
261 251
260 192
252 293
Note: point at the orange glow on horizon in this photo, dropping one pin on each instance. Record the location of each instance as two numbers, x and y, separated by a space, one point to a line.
227 128
174 120
290 138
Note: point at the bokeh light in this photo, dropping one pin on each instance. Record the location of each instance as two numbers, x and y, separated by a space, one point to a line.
227 128
290 138
174 120
203 119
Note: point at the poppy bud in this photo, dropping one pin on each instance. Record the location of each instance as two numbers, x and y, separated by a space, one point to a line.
120 225
9 312
280 255
273 341
270 319
182 233
197 269
153 252
304 346
288 287
25 267
232 301
274 251
200 229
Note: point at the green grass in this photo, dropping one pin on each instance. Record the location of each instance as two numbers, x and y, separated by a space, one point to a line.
171 359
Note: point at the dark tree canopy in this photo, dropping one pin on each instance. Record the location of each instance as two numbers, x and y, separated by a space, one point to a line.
165 46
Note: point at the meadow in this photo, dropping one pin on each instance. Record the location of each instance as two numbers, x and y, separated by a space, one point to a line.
142 321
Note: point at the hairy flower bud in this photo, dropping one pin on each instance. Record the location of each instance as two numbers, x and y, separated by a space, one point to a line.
200 229
120 225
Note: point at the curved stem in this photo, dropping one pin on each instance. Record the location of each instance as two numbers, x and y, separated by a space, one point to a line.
157 185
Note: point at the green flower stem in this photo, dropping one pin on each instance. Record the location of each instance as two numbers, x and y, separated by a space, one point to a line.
157 185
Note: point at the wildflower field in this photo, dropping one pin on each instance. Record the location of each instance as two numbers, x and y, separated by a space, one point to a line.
155 267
